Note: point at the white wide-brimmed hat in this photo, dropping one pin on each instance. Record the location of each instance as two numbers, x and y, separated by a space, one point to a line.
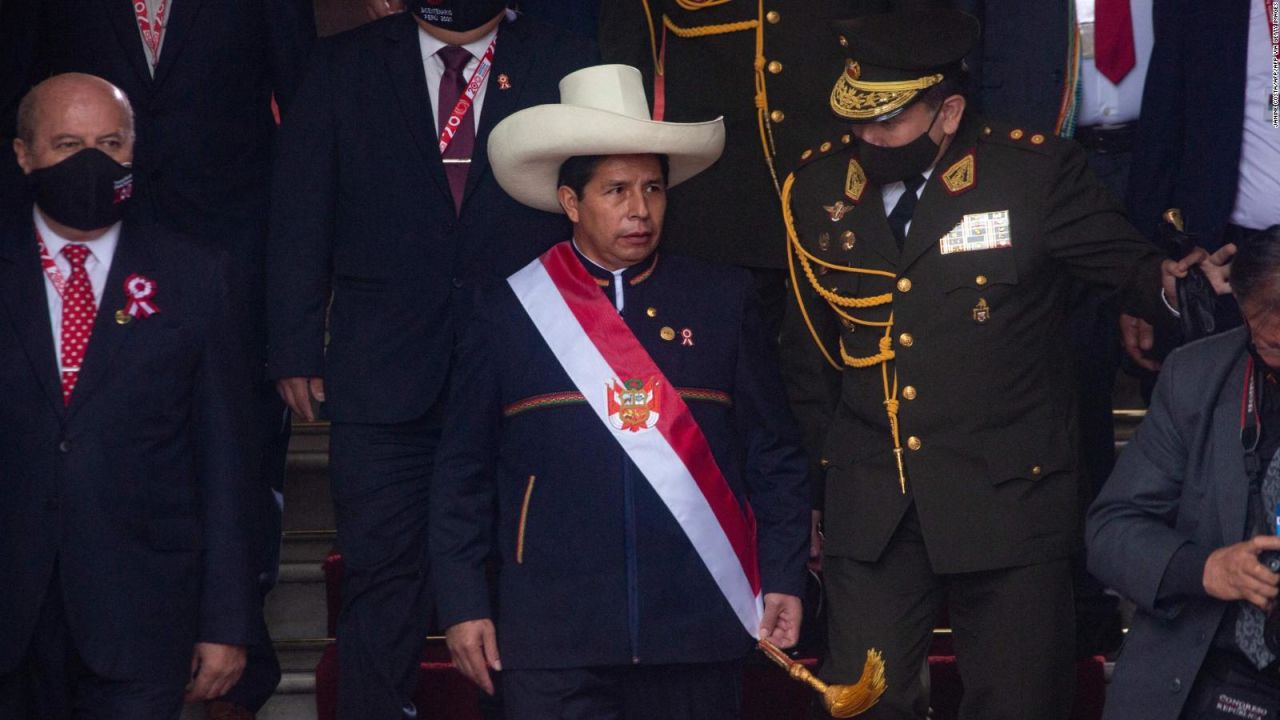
602 111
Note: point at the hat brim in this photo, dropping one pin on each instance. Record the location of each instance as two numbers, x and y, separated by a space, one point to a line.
527 149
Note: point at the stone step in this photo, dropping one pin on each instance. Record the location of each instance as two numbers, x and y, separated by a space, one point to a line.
295 608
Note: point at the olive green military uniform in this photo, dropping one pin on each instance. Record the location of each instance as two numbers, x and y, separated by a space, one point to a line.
730 213
961 332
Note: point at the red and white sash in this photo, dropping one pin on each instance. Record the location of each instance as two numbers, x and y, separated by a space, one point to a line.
599 352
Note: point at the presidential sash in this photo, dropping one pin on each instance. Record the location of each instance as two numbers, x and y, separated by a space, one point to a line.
645 414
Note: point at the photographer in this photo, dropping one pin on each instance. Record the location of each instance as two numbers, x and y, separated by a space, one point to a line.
1186 526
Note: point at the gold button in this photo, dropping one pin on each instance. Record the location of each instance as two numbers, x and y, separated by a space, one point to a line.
806 154
667 333
913 442
775 67
824 462
651 312
986 131
777 116
904 285
773 17
1016 134
905 340
845 139
1035 470
909 392
981 280
1037 139
824 147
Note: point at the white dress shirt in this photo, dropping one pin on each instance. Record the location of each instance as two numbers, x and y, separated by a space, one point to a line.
434 65
1258 189
97 265
1101 101
892 192
619 300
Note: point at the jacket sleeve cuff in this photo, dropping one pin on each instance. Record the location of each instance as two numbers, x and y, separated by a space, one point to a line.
1184 576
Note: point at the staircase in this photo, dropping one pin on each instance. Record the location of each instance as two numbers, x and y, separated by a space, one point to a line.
296 610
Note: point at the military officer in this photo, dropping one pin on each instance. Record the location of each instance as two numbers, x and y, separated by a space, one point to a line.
761 65
926 358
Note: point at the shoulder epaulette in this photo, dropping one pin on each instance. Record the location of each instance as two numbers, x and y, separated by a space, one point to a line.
825 149
1019 138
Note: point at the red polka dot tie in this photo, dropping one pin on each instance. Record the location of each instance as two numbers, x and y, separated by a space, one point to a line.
78 310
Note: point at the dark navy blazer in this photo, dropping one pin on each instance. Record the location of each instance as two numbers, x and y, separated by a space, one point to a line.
593 569
362 209
204 119
1187 153
135 494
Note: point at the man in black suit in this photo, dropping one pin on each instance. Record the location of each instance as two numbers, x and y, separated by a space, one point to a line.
124 485
378 239
201 75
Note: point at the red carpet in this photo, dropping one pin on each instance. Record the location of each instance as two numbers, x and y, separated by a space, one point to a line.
768 694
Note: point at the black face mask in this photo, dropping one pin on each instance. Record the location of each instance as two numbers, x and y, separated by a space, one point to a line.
456 15
885 165
86 191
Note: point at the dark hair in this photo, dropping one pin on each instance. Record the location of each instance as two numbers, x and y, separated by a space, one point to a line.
954 82
1255 270
578 170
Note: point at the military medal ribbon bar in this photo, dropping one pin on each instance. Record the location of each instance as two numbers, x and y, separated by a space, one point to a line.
599 352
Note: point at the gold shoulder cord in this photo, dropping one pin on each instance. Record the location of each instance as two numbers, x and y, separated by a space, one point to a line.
837 303
761 97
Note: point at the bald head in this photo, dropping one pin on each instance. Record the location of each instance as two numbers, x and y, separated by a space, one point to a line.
72 93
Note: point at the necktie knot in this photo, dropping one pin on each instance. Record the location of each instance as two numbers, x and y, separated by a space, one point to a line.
455 58
75 254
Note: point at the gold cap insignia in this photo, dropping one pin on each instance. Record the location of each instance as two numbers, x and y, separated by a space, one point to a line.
961 176
855 181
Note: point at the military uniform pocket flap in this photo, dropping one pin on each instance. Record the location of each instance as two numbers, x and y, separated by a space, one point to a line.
980 269
1027 455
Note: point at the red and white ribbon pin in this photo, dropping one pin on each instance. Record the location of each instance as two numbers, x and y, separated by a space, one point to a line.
140 290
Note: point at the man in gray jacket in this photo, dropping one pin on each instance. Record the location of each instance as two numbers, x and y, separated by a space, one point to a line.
1186 526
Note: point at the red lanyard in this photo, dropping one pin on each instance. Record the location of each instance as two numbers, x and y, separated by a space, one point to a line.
468 97
1272 9
50 267
152 28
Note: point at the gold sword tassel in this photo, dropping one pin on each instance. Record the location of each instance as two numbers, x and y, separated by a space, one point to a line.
841 701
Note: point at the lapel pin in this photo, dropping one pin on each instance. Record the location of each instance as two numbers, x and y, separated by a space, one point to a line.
837 211
123 318
686 337
504 81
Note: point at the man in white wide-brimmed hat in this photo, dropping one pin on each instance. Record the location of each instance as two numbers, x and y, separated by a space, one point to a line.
619 440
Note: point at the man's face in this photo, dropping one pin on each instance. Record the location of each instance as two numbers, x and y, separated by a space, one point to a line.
70 119
912 122
1263 320
617 222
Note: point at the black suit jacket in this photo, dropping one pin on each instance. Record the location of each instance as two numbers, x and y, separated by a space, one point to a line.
1187 153
1018 69
362 210
135 493
204 122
